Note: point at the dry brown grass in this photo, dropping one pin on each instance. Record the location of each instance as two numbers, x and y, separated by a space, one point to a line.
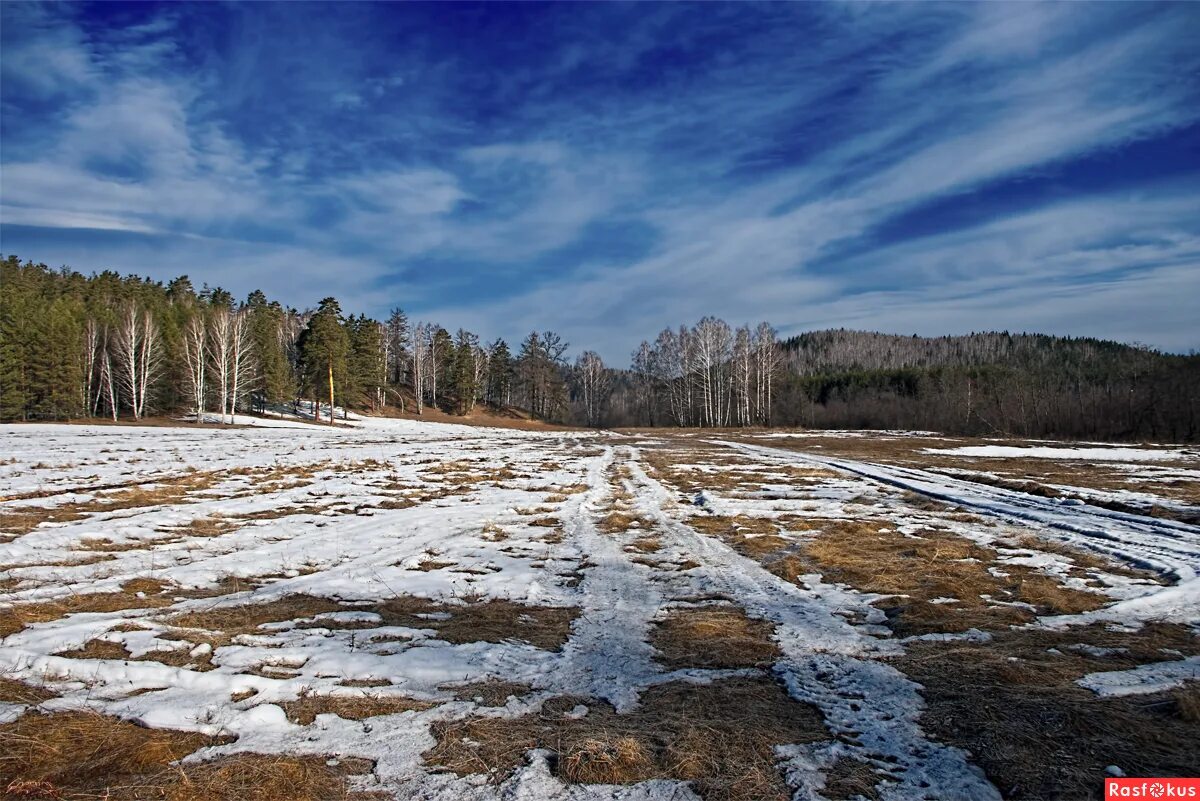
365 683
646 545
1187 702
165 491
18 692
153 594
78 756
1034 732
619 522
104 545
1050 479
465 474
726 470
1032 475
489 693
553 537
924 503
494 533
304 710
719 737
476 620
429 565
72 754
1045 656
498 621
605 761
559 493
246 618
848 778
175 657
713 637
91 559
751 536
757 539
213 526
937 564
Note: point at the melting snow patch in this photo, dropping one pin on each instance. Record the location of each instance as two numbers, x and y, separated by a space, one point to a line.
1108 454
1153 678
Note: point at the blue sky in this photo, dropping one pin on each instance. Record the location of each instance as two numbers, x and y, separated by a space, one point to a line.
607 170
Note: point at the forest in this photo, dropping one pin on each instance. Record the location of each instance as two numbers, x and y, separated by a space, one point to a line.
74 346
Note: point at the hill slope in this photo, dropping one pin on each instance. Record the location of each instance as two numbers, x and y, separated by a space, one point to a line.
984 383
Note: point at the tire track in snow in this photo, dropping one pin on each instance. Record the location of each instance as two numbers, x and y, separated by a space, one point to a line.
872 708
1166 546
608 655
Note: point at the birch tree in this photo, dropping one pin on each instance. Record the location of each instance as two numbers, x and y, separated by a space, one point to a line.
138 348
217 345
743 370
93 342
195 357
767 358
241 360
642 366
713 350
420 364
593 381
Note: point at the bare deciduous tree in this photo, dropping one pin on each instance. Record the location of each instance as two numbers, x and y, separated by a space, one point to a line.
767 358
138 348
196 360
228 347
593 384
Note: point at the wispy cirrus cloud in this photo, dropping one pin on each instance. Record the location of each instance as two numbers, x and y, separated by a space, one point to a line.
909 168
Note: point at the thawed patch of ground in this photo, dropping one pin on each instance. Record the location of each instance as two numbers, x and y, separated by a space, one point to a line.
419 610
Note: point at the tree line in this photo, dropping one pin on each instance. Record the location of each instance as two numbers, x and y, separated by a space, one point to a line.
106 345
76 346
990 384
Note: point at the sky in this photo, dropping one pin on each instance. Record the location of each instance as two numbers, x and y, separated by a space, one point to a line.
608 170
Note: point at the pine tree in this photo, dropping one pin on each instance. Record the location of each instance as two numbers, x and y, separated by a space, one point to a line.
276 383
464 371
397 342
56 361
324 349
499 374
367 371
18 305
440 348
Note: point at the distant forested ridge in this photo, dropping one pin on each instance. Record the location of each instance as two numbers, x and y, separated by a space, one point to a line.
1027 385
76 346
1001 384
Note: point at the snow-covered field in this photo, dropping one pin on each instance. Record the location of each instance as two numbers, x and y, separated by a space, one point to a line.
399 592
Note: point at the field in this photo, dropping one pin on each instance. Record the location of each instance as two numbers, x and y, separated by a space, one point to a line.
412 610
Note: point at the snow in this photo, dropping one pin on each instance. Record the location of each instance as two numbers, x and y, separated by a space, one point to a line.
1153 678
1105 454
365 510
1166 546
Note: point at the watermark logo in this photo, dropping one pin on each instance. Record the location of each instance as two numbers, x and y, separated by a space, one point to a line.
1154 788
